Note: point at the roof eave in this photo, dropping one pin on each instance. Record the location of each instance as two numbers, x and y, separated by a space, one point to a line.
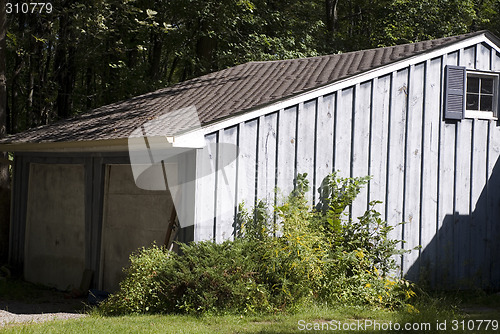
192 139
71 146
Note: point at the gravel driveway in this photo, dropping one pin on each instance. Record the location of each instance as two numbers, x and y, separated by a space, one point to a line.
51 305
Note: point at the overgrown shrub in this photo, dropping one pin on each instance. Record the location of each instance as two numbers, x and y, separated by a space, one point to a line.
207 277
281 257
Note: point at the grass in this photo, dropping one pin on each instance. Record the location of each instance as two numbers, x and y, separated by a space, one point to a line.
449 307
430 310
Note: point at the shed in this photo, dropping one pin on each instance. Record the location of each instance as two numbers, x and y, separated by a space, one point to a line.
420 118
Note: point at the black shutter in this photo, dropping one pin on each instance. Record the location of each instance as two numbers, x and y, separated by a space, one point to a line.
454 92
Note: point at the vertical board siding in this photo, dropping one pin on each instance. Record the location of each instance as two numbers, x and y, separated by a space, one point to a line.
324 140
446 195
247 161
343 126
430 145
361 143
493 207
483 61
468 58
379 140
206 183
439 176
226 183
493 200
413 165
396 150
266 174
286 152
462 199
478 205
306 134
479 179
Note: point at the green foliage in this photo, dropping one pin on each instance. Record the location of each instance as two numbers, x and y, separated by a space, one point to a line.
207 277
336 194
82 56
410 21
280 259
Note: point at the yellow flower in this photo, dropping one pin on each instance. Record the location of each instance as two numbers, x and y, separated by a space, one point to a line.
412 309
368 285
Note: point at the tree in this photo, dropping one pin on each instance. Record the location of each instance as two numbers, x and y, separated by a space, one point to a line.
86 54
4 167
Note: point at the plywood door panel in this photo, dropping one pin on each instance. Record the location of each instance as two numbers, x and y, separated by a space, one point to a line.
55 226
132 218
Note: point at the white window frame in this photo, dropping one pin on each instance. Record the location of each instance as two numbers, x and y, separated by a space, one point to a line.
477 113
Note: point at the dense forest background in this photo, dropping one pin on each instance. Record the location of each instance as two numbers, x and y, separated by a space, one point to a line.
84 54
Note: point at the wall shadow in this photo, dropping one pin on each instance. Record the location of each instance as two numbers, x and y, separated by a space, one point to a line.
465 251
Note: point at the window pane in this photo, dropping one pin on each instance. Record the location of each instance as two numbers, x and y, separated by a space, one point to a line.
472 102
486 103
487 85
472 85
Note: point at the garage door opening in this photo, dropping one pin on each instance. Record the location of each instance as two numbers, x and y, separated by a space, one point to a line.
132 218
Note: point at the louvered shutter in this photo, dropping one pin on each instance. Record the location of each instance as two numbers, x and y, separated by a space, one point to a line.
454 98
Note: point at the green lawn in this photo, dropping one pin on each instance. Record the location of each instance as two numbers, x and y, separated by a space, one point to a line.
329 319
471 308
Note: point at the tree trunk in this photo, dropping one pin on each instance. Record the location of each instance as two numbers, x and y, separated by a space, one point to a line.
64 66
331 14
154 69
4 168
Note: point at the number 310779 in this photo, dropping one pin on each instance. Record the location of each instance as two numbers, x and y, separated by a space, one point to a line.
28 7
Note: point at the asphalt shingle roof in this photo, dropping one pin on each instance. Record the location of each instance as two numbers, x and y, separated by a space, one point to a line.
224 93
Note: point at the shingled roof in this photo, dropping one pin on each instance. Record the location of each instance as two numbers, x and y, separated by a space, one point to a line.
224 93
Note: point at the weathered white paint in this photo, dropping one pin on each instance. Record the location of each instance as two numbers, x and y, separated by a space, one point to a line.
396 150
462 200
247 160
286 151
306 133
478 205
379 141
324 140
446 194
343 127
361 143
226 183
411 214
206 196
429 193
267 158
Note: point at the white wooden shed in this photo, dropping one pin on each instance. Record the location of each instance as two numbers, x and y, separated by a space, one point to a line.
420 118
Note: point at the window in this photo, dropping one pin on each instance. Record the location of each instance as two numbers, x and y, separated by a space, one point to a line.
481 95
470 94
